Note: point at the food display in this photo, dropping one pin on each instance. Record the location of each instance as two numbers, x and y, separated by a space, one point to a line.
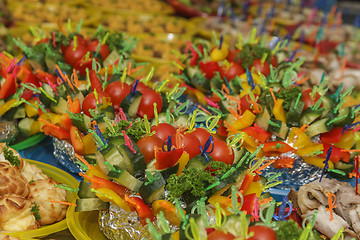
241 123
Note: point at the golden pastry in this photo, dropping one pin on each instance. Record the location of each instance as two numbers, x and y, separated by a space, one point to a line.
11 181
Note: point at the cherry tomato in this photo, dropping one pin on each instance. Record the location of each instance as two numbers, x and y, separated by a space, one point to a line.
90 101
306 98
104 49
73 57
264 68
234 56
163 130
234 70
222 153
202 134
245 103
262 233
274 61
82 65
148 99
210 68
220 235
140 87
79 41
146 145
190 143
117 91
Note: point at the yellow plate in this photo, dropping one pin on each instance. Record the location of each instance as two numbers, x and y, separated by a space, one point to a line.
61 177
84 225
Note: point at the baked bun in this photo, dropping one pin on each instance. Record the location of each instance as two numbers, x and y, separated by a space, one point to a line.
7 237
15 214
11 181
2 158
32 172
42 191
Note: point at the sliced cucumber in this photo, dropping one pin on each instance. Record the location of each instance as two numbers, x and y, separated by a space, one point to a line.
238 154
117 158
24 126
50 92
81 121
199 220
309 116
225 105
328 104
199 161
161 119
262 119
151 191
90 204
90 158
60 107
318 127
346 116
100 160
131 103
233 225
85 191
278 128
15 113
294 113
128 181
166 173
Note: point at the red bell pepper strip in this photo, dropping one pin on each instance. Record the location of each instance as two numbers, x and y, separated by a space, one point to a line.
26 76
74 106
9 87
258 133
95 82
336 154
56 131
221 129
249 203
194 55
249 178
76 140
27 94
286 162
277 147
332 136
98 182
141 208
65 121
167 159
44 76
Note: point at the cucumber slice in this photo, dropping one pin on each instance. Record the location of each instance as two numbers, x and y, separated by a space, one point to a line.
128 181
346 116
131 103
309 116
318 127
15 113
81 121
199 220
85 191
49 91
153 191
294 114
166 173
90 158
233 225
278 128
90 204
199 161
60 107
117 158
24 126
262 120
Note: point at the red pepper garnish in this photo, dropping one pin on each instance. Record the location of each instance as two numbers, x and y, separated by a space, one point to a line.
249 203
277 147
9 87
337 154
76 141
98 182
258 133
142 209
56 131
95 82
332 136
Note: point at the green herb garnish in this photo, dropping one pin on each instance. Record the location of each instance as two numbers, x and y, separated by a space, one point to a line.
35 210
10 156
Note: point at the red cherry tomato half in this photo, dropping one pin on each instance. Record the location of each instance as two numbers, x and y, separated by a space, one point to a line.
104 49
148 99
306 98
163 130
234 70
73 56
222 153
234 56
90 102
202 134
117 91
262 233
264 68
147 144
210 68
190 143
220 235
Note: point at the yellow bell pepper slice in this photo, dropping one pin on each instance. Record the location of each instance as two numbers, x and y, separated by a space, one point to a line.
108 195
183 160
176 235
317 161
95 170
278 111
302 140
314 147
217 54
255 187
225 203
35 128
7 106
31 110
245 120
168 209
89 144
347 140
